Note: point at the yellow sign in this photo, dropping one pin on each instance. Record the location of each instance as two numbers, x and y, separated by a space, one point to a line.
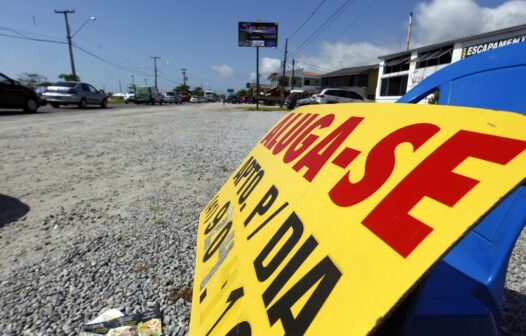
340 209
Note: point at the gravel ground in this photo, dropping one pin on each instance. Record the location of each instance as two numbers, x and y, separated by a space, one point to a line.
105 207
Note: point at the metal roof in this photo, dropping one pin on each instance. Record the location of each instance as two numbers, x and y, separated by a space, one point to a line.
462 39
350 71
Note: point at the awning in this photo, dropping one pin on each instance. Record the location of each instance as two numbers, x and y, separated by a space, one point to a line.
397 61
432 54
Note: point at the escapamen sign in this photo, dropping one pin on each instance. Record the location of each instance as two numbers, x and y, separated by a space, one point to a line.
339 211
478 48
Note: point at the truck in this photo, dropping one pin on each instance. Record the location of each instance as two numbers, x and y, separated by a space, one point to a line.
148 95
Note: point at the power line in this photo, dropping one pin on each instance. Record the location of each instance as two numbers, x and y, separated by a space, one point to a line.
339 11
307 19
119 66
31 38
358 18
315 66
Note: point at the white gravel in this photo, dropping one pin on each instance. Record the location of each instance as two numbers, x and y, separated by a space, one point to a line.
114 197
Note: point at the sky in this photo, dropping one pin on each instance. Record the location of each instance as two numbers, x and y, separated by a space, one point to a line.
201 36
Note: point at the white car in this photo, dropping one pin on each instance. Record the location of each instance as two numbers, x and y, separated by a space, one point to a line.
129 97
331 96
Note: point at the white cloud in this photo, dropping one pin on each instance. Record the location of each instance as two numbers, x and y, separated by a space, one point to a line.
252 77
442 20
269 65
223 70
339 55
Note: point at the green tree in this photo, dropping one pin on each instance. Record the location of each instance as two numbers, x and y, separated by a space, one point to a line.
182 88
33 80
242 93
69 77
198 91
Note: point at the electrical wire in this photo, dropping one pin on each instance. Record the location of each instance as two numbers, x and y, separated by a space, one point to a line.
117 65
358 18
315 66
307 19
339 11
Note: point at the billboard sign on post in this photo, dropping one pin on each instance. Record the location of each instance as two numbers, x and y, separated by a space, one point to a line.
258 34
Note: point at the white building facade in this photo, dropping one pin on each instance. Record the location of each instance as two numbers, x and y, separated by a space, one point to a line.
400 72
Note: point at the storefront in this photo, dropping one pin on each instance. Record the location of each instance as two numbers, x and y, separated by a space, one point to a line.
400 72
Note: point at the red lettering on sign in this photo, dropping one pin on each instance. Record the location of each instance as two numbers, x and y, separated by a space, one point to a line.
316 158
379 164
434 178
276 131
306 139
293 133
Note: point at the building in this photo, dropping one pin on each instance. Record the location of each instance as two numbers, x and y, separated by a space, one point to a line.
303 80
400 72
362 79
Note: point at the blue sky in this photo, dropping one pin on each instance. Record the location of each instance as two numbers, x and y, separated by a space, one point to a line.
202 36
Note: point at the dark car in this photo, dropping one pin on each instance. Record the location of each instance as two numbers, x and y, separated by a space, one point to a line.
16 96
232 99
292 99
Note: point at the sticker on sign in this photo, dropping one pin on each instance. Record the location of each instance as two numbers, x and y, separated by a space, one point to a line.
340 210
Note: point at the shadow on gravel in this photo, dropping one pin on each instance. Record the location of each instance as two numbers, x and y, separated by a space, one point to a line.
513 313
11 209
18 112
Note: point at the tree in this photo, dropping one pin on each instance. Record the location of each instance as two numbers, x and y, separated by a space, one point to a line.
198 91
33 80
69 77
242 93
182 88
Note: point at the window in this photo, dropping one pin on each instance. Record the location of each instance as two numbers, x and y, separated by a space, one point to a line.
307 81
354 95
397 64
434 57
4 80
394 86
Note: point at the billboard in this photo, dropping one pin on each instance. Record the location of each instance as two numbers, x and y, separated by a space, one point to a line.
340 210
258 34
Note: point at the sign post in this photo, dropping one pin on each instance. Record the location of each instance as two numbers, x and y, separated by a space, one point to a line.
258 34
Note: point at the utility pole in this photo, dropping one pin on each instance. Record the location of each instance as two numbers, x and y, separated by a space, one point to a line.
409 27
133 80
292 82
146 81
120 86
283 76
155 58
184 76
66 12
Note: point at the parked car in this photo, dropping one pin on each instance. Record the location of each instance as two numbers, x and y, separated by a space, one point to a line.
331 96
15 95
292 99
194 99
232 99
306 101
74 93
172 97
148 95
129 97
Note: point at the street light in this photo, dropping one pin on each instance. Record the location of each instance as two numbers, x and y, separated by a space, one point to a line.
92 18
69 36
